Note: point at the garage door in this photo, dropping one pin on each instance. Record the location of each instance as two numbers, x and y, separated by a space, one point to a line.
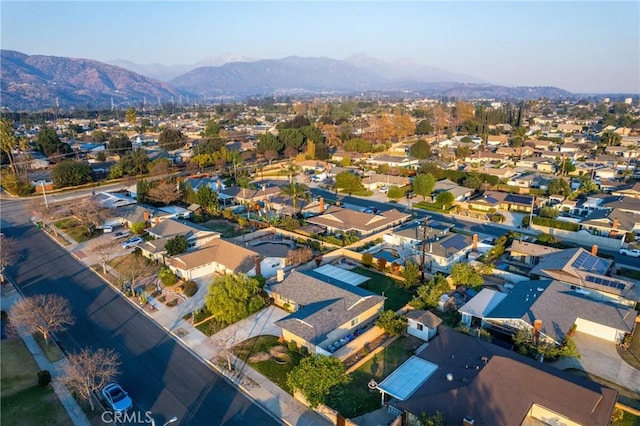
203 270
597 330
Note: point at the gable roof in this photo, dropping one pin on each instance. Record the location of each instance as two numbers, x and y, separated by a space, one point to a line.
323 306
427 318
448 245
497 387
347 219
171 227
234 257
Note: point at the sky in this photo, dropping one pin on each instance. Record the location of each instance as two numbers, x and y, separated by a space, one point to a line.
580 46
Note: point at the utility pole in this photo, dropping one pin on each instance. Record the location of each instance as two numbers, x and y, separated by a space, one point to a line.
424 247
44 194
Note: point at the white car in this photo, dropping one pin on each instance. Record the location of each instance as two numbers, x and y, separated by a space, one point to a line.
117 398
384 189
132 242
630 252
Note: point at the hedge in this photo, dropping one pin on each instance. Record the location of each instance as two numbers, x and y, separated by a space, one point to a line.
558 224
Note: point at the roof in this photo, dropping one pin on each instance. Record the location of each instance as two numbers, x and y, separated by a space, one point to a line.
323 306
340 274
483 303
235 258
452 187
448 245
407 378
170 227
558 307
351 220
531 249
497 387
133 213
427 318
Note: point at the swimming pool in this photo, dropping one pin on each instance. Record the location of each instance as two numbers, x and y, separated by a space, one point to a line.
390 255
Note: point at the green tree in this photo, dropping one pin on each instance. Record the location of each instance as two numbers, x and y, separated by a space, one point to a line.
436 419
119 144
463 273
428 295
392 323
367 259
171 139
610 138
269 142
296 190
424 127
211 129
472 181
411 274
420 150
559 186
233 297
549 212
138 227
99 136
315 376
207 198
8 141
176 245
395 192
445 199
70 173
49 143
348 182
423 185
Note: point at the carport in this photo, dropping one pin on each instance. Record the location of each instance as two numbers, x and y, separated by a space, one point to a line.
407 378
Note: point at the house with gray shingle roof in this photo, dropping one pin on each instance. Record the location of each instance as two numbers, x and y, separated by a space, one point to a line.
325 311
339 219
558 307
163 231
422 324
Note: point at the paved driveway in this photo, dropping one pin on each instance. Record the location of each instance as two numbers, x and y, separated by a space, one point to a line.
600 358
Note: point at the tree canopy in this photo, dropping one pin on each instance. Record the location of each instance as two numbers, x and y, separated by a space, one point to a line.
49 143
348 182
392 323
315 376
233 297
420 149
463 273
423 184
176 245
559 186
445 199
171 139
70 173
428 295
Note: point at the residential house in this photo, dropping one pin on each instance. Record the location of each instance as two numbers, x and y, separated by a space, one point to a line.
459 192
164 230
546 166
553 308
529 253
340 219
325 310
476 383
422 324
218 256
628 204
173 212
484 157
214 182
509 152
248 195
502 201
632 191
394 161
531 180
497 140
353 156
113 200
377 180
611 223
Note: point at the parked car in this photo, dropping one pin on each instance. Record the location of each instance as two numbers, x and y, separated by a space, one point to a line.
629 252
410 194
116 397
132 242
121 234
384 189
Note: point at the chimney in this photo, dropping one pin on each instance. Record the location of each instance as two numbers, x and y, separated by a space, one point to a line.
321 205
157 219
594 250
537 328
256 260
146 216
280 275
468 421
615 223
219 185
475 242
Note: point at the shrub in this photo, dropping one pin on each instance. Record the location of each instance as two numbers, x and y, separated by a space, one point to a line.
189 288
171 303
304 351
497 218
382 263
293 346
138 227
44 378
167 277
367 259
558 224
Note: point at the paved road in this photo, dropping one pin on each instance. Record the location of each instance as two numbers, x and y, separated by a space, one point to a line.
160 375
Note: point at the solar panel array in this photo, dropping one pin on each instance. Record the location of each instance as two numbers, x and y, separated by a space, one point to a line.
607 282
458 242
590 263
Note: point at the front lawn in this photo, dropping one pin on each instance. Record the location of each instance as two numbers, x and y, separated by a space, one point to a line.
396 296
23 402
260 353
355 398
631 355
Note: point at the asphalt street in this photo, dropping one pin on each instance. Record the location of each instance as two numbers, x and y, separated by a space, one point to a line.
160 375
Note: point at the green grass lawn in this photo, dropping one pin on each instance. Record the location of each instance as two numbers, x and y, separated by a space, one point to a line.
51 350
225 228
631 355
355 399
277 373
23 402
396 296
628 420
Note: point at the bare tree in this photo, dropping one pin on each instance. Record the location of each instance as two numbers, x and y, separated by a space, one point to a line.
134 268
42 313
270 155
106 252
43 213
299 255
87 372
8 254
225 343
165 193
91 213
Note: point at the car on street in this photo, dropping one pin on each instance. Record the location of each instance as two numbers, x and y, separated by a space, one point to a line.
132 242
116 397
121 234
629 252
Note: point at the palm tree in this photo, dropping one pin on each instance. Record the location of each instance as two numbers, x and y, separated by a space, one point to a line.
296 190
292 170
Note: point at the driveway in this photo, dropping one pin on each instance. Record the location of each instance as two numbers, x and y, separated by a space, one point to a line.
600 358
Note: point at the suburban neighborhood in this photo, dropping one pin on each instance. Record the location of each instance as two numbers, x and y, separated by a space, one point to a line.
341 261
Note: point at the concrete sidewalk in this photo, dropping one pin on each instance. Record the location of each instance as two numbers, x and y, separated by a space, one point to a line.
77 416
280 404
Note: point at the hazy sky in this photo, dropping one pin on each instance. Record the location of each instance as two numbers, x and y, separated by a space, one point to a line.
581 46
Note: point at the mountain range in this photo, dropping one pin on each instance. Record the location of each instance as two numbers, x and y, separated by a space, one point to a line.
42 82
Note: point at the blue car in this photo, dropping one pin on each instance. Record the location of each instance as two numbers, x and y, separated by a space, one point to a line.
117 399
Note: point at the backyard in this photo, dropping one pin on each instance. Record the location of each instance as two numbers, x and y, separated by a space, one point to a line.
224 227
23 401
355 398
380 284
270 357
